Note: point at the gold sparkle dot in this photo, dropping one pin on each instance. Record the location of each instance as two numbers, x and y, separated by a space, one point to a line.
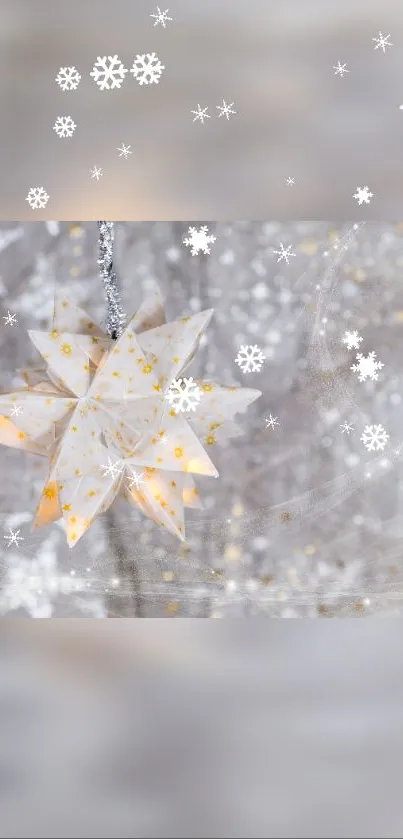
72 520
55 334
210 439
66 508
207 387
92 492
285 517
66 349
147 369
50 492
178 452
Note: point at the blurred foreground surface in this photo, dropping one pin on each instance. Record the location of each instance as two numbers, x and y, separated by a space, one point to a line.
191 729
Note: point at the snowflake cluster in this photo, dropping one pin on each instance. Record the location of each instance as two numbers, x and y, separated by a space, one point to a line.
224 109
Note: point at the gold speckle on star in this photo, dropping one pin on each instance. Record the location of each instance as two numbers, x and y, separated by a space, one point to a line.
49 492
66 508
55 334
178 452
66 349
210 439
147 369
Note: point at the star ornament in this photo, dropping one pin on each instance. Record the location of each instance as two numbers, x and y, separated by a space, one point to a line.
95 401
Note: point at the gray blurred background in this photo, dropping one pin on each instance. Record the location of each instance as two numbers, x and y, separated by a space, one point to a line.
274 60
303 520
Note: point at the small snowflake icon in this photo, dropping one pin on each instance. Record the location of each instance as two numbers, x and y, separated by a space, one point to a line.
290 181
352 340
13 538
183 395
9 319
346 427
108 72
37 198
147 68
96 172
284 253
199 240
64 127
201 114
382 41
363 195
124 151
367 367
16 411
340 69
374 438
137 480
161 17
250 358
113 469
225 110
271 421
68 78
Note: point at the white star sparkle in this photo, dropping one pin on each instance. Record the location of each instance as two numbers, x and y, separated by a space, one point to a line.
340 69
96 173
271 421
125 151
161 17
284 253
226 110
13 538
201 114
382 41
9 319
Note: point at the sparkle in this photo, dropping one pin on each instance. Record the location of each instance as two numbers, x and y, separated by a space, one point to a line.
382 41
284 253
346 427
161 17
201 114
340 69
113 469
290 181
96 173
13 538
124 151
9 319
271 421
363 195
136 480
16 411
226 110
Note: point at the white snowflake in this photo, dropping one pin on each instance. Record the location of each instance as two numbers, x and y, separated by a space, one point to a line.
16 411
201 114
226 110
37 198
199 240
284 253
96 173
147 68
68 78
64 127
108 72
374 438
367 367
340 69
382 41
9 319
290 181
346 427
363 195
124 151
113 469
250 358
183 395
136 480
161 17
271 421
13 538
352 340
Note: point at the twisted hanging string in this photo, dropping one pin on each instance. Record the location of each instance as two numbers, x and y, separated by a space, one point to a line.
116 316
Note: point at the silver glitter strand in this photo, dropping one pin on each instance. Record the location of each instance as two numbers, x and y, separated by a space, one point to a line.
116 316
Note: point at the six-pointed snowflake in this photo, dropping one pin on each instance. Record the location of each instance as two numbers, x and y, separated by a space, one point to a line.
250 358
37 198
96 173
352 340
271 421
226 110
9 319
183 395
284 253
64 127
290 181
363 195
201 114
199 240
16 411
346 427
374 438
108 72
136 480
367 367
340 69
13 538
161 17
382 41
124 151
113 469
147 68
68 78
